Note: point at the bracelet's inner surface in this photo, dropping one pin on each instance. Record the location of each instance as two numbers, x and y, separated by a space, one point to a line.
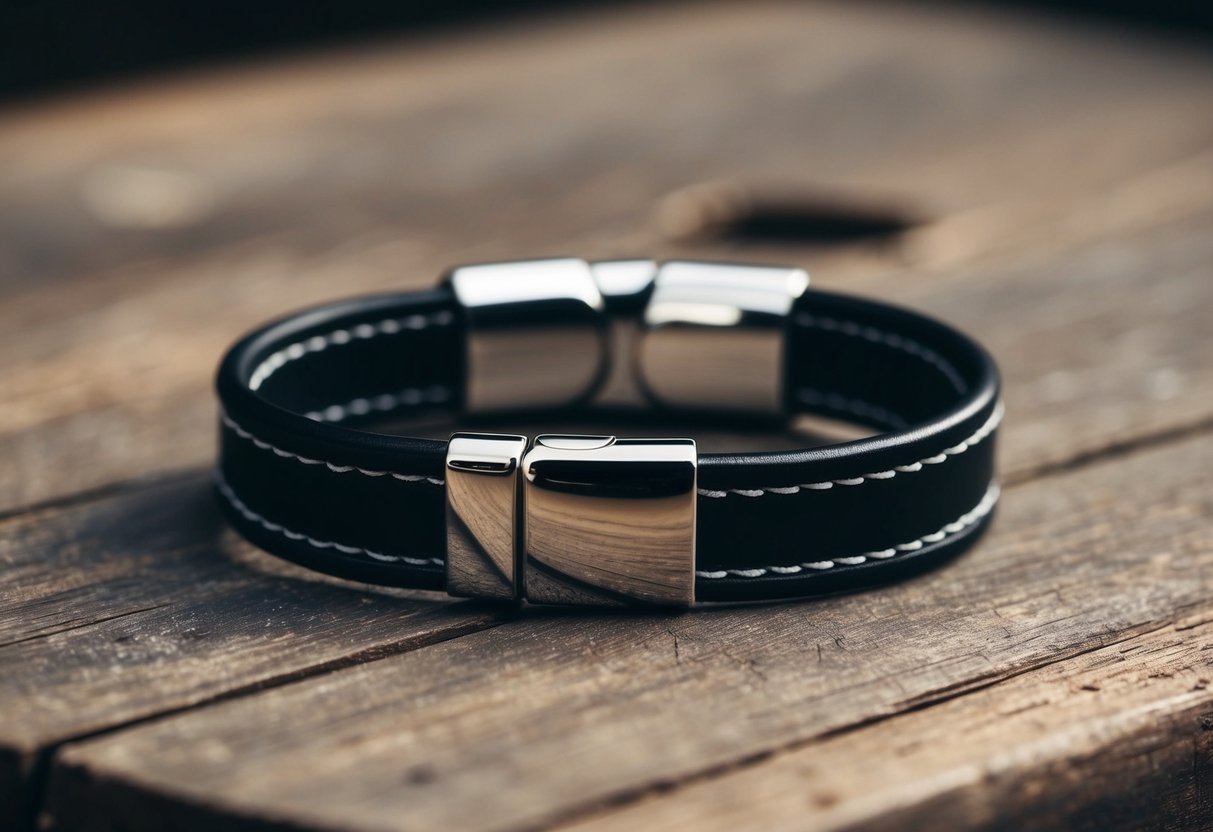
846 363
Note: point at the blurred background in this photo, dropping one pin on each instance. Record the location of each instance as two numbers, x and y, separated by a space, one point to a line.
171 175
174 174
50 45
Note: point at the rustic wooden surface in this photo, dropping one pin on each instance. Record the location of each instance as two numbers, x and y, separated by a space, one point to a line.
1053 182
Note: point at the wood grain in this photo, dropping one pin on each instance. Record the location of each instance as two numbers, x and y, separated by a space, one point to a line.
1056 181
123 609
547 717
308 184
1123 731
84 696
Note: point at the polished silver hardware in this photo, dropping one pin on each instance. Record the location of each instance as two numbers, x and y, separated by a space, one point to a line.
625 286
714 335
535 333
597 520
482 515
549 333
604 521
609 521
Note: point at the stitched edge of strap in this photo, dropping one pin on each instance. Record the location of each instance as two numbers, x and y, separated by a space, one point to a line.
973 440
893 340
383 403
278 359
231 423
277 528
969 518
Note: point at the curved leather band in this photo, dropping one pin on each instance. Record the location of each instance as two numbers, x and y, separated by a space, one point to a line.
299 479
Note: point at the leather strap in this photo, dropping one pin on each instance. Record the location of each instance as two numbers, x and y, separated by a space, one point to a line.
299 477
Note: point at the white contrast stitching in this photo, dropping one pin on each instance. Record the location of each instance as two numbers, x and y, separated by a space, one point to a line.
318 343
249 514
889 339
410 396
961 523
332 466
855 407
974 439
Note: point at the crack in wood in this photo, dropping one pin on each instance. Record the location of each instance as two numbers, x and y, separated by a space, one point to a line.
83 624
917 704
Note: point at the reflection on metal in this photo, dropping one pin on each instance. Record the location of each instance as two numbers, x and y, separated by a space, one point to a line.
535 333
481 515
626 286
605 521
714 335
609 521
552 333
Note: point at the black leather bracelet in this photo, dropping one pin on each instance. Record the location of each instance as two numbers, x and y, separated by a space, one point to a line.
605 520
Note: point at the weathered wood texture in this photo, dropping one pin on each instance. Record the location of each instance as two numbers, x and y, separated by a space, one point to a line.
1122 731
1057 183
547 717
130 607
144 230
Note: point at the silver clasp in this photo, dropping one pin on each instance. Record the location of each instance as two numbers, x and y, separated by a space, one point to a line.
598 520
536 333
715 336
609 521
482 515
603 521
547 333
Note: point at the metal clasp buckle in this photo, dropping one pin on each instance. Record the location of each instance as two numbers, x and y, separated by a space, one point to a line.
550 333
482 515
595 519
609 521
603 521
715 336
535 333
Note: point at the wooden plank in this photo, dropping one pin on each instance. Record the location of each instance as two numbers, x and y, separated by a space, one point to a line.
111 327
1100 345
119 610
1120 737
74 570
302 191
541 719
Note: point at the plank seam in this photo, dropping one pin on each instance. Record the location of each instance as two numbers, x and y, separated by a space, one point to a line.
929 700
